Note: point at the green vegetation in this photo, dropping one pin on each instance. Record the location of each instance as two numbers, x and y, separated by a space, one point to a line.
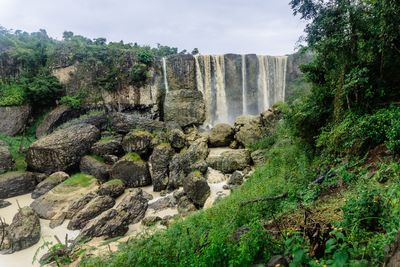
132 156
114 182
79 180
71 101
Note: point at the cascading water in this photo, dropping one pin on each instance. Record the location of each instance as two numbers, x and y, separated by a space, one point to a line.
263 82
164 65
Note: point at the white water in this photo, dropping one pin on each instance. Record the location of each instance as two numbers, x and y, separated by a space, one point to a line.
164 64
211 81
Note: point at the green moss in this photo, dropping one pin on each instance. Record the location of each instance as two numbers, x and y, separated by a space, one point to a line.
106 139
97 158
79 180
163 145
141 133
114 182
132 157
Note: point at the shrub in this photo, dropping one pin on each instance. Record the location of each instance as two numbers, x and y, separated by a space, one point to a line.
71 101
12 95
43 89
139 73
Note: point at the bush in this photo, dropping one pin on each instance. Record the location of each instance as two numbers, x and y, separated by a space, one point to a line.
139 73
43 90
12 95
71 101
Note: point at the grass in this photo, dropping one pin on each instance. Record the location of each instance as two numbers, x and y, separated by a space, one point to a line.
114 182
79 180
106 139
132 156
15 144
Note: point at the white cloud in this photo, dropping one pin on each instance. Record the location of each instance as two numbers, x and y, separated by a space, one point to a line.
214 26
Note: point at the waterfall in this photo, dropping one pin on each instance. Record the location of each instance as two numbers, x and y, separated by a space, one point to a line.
263 82
244 80
164 66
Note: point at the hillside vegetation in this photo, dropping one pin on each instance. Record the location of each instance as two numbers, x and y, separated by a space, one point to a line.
328 194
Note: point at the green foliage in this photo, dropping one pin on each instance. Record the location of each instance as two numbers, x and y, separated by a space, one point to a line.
71 101
12 95
139 73
57 254
132 157
79 179
43 89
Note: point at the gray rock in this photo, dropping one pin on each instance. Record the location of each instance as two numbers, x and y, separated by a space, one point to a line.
151 220
107 147
230 161
94 208
201 166
159 166
110 159
181 72
132 170
185 206
4 203
94 167
177 139
62 149
24 231
16 183
258 157
124 123
49 183
184 107
55 118
113 188
249 129
6 159
138 141
163 203
13 119
147 196
79 204
196 188
221 135
236 178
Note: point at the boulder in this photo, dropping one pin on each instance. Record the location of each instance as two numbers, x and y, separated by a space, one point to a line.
221 135
107 146
24 231
177 139
181 72
124 123
95 167
55 118
113 188
185 206
258 156
62 149
138 141
6 159
163 203
248 129
132 170
4 203
57 200
159 166
184 107
49 183
79 204
236 178
16 183
94 208
151 220
115 222
230 161
196 188
182 163
13 119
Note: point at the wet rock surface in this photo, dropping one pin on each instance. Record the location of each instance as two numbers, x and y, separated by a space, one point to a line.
16 183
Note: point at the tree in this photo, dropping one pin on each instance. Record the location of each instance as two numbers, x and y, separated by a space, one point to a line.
195 51
67 35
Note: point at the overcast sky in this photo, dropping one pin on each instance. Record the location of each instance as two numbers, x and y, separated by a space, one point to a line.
213 26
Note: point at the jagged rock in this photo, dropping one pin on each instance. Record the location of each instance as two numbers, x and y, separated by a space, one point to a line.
196 188
4 203
185 107
58 220
181 72
13 119
94 208
39 177
221 135
249 129
192 134
110 159
163 203
178 194
16 183
182 163
6 159
98 119
107 146
24 231
79 204
151 220
132 170
185 206
113 188
138 141
55 118
147 196
258 156
124 123
62 149
159 166
177 139
58 199
201 166
236 178
49 183
115 222
230 161
94 167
